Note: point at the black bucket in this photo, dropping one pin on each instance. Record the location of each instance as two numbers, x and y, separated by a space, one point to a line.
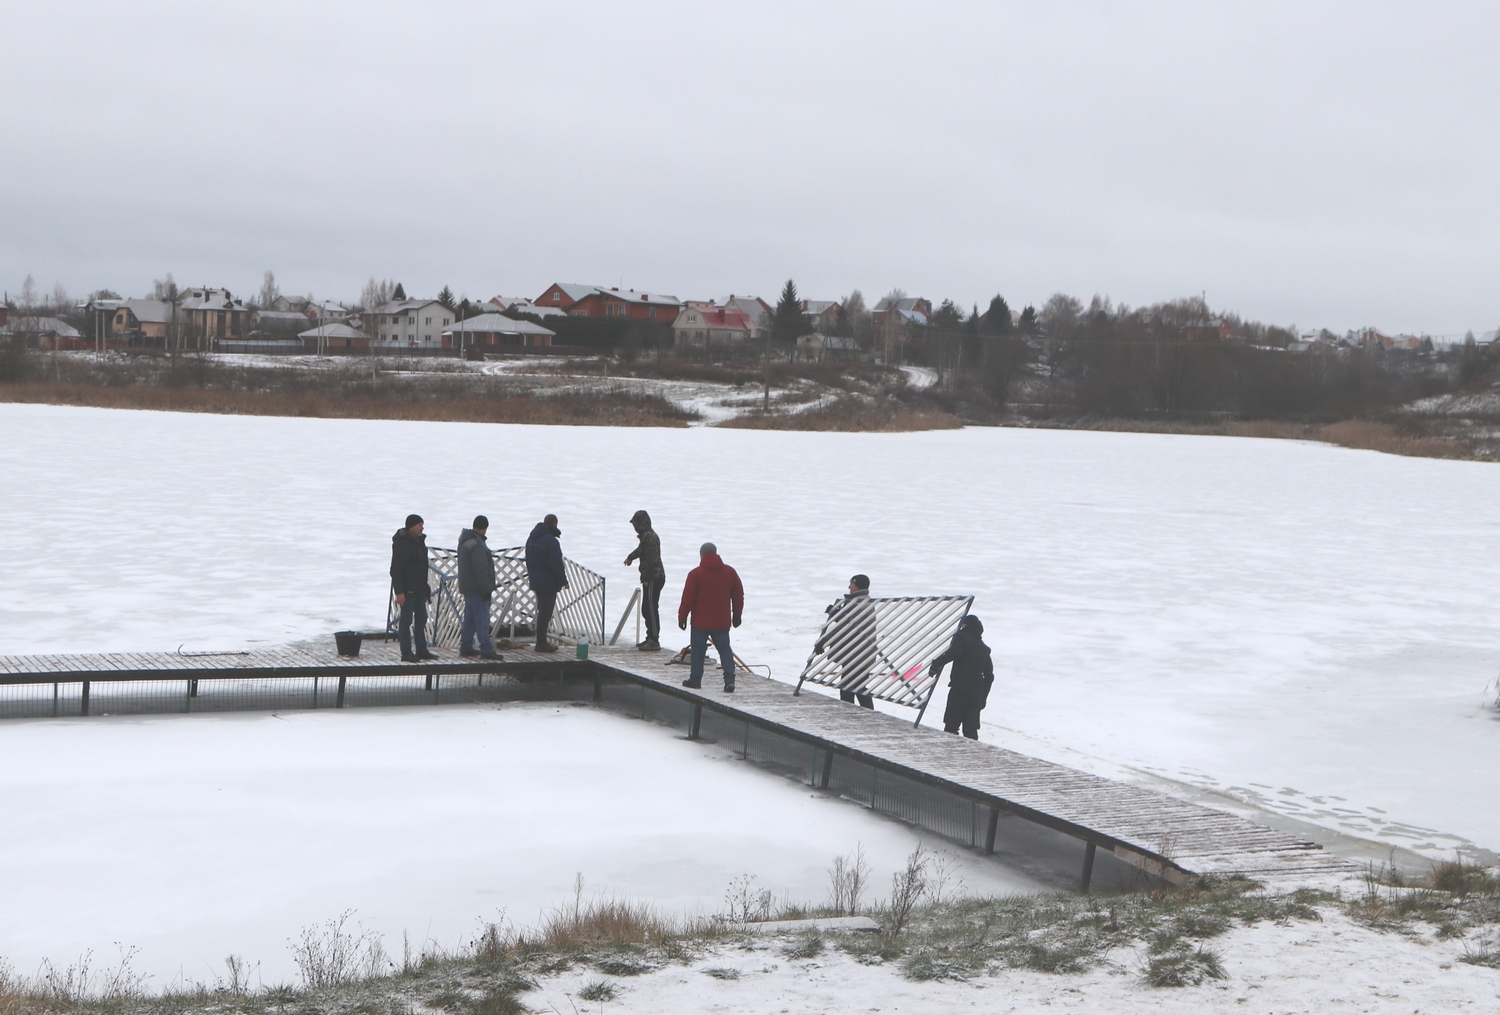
348 642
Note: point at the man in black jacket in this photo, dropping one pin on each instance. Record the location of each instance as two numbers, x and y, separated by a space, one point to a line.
476 580
970 679
409 582
546 575
653 578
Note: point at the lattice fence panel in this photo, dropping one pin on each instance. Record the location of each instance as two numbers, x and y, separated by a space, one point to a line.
881 647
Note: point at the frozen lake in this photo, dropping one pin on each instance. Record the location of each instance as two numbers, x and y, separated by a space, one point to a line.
1306 627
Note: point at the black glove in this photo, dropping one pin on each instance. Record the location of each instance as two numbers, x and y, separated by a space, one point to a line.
933 669
736 620
682 625
818 649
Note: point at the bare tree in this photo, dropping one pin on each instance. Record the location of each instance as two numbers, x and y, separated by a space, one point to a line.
375 294
61 303
268 290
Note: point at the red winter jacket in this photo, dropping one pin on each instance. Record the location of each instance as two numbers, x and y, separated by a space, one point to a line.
712 589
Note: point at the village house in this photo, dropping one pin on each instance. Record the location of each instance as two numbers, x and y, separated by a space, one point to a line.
628 304
819 347
141 322
822 315
699 326
213 313
40 332
335 335
562 295
408 324
496 332
757 309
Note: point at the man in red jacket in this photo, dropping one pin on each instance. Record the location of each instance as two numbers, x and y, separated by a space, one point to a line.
715 599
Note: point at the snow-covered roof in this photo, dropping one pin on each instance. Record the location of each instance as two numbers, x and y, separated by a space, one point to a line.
405 306
576 291
149 311
499 324
634 296
39 325
713 317
333 331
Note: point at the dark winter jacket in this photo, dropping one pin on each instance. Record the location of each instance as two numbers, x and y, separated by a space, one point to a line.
972 673
409 564
544 559
476 568
649 550
849 637
712 596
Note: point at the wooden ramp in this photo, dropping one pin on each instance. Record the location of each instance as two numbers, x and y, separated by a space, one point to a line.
1166 837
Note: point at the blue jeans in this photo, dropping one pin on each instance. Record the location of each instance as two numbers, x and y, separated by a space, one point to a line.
699 642
476 622
414 609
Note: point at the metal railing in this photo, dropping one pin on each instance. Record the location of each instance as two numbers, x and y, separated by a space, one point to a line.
579 612
881 647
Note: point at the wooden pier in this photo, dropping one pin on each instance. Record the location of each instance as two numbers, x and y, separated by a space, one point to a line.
1166 837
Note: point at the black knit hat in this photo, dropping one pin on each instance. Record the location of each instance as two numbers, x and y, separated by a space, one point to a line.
481 523
861 581
413 520
973 623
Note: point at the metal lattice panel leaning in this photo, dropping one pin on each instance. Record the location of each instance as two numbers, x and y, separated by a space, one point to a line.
579 611
881 647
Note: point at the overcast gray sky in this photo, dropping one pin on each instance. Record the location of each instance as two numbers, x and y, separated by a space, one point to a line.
1330 164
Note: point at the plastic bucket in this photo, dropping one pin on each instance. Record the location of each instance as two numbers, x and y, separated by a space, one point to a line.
348 642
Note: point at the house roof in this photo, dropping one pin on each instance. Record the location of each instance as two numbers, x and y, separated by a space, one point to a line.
633 296
713 317
210 299
905 303
817 306
40 325
500 325
333 331
402 306
149 311
281 315
575 291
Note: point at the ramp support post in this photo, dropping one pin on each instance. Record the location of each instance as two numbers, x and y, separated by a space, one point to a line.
989 833
697 720
1088 868
340 702
84 706
827 770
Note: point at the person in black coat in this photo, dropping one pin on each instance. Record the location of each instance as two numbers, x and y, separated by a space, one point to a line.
409 583
546 575
970 679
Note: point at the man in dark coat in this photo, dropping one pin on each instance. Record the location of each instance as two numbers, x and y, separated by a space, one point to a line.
715 599
546 574
409 582
653 578
849 640
970 679
476 581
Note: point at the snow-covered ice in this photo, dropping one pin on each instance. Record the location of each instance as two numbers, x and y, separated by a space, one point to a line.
194 837
1305 627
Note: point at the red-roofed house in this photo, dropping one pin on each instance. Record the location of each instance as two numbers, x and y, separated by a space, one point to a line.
705 326
562 295
627 303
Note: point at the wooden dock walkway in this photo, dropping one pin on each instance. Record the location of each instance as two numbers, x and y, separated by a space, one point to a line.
1166 837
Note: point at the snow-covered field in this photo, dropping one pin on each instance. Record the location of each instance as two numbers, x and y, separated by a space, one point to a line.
1306 628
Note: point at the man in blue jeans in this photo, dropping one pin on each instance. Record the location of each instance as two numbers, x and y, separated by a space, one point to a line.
476 582
714 599
409 583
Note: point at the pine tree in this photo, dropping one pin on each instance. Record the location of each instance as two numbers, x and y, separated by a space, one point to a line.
787 320
446 298
1027 324
998 319
400 293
